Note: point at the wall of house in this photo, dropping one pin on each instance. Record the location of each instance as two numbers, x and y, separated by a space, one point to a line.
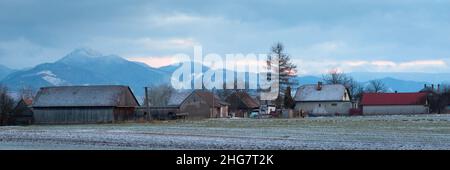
223 111
394 109
196 107
240 113
324 108
73 115
124 114
156 113
219 112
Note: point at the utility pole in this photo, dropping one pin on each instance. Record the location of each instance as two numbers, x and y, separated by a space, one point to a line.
147 104
214 106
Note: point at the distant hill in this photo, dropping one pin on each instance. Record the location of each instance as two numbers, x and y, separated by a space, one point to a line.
302 80
391 83
435 78
87 67
4 71
401 85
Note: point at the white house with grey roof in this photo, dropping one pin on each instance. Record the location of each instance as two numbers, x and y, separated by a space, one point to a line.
323 99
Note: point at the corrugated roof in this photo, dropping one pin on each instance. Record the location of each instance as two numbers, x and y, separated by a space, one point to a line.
85 96
211 99
176 98
394 99
246 99
27 101
328 92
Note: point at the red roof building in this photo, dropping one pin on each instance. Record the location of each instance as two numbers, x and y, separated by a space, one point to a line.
394 103
394 99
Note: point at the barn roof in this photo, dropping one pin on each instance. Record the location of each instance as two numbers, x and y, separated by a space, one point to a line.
328 92
177 98
394 99
24 102
211 99
246 99
27 101
85 96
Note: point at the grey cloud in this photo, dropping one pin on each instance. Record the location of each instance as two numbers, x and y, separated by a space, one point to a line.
395 30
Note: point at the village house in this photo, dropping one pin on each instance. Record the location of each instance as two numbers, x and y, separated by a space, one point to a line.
23 112
394 103
192 104
241 104
84 104
322 99
438 98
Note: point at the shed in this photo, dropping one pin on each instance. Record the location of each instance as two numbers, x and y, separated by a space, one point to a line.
84 104
323 99
23 112
241 104
394 103
199 104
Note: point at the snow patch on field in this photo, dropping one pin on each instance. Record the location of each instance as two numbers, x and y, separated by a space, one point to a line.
368 132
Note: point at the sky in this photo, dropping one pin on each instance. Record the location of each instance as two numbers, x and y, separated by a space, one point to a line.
344 35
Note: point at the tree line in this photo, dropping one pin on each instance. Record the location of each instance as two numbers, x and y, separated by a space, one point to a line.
7 102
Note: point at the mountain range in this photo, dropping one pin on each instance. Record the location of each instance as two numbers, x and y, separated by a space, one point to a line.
88 67
4 71
392 84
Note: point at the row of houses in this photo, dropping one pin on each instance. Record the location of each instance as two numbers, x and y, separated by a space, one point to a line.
195 104
334 99
113 103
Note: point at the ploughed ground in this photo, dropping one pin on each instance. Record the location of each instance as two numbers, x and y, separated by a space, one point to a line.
368 132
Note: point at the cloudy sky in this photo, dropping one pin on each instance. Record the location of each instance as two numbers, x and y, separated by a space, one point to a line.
348 35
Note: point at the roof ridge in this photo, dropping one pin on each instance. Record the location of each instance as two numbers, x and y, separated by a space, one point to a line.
86 86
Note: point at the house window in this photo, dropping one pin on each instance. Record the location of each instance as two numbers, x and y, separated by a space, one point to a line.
333 104
320 105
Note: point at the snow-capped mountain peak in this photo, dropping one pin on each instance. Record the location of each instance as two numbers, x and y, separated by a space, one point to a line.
86 52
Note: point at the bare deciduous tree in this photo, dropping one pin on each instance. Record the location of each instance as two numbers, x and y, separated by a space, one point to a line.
26 92
376 86
439 99
334 77
6 104
159 95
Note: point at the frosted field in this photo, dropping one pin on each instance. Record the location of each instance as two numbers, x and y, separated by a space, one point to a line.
375 132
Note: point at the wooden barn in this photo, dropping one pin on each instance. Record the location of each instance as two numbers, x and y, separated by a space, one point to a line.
84 104
196 104
23 112
241 104
394 103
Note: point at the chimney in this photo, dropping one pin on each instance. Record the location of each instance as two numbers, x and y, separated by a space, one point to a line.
439 88
395 91
319 85
425 86
432 87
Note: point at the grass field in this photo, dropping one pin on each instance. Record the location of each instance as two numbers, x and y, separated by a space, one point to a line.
372 132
